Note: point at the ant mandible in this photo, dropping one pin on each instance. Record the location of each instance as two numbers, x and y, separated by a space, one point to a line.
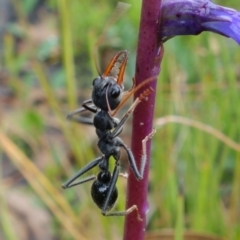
107 98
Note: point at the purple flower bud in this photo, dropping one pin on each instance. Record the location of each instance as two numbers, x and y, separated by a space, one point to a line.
191 17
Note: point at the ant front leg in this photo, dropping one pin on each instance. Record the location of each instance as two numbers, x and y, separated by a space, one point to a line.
119 127
132 162
86 106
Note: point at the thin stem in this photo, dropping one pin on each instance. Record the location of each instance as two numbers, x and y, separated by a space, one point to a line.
149 54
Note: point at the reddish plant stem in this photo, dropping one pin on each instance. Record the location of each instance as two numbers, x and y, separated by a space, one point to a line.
147 65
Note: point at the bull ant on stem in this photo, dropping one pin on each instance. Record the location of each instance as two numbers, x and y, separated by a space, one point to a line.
107 99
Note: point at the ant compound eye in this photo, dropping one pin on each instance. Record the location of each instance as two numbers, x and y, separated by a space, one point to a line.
115 93
95 80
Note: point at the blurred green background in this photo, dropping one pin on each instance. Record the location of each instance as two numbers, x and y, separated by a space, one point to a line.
46 70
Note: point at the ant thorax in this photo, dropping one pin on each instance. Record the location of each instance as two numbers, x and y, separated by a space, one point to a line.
106 94
103 123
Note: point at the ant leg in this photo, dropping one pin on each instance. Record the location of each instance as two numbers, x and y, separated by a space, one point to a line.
88 104
74 115
124 213
123 175
118 128
86 179
112 185
144 150
132 162
88 167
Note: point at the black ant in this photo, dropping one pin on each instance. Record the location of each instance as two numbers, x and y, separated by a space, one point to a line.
107 98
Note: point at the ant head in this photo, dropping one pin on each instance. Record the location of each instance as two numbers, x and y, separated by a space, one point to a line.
106 93
108 88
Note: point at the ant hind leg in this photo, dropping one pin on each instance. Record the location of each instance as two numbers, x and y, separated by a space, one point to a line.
105 209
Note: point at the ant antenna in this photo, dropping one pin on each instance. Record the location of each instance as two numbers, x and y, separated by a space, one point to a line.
108 105
117 63
118 12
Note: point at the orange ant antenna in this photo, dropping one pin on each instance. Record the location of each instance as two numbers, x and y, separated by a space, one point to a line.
118 12
112 64
120 75
122 69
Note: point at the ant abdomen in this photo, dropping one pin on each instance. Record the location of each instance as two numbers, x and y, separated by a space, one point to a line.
100 189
